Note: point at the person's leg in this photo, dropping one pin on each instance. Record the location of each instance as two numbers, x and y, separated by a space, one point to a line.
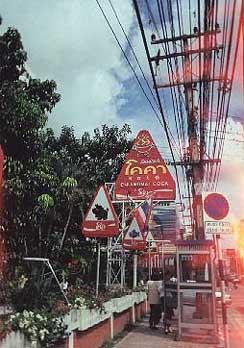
167 320
158 314
151 316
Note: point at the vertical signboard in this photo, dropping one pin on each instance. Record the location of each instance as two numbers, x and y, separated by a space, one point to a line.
216 211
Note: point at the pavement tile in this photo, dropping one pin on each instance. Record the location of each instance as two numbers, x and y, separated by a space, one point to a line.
143 337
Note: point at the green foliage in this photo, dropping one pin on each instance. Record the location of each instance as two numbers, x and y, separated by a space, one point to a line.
108 149
24 103
48 180
13 56
45 201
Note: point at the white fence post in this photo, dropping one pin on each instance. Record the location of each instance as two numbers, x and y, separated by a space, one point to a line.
71 340
112 326
133 314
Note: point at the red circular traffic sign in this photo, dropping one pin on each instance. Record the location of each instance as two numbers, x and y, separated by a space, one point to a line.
216 206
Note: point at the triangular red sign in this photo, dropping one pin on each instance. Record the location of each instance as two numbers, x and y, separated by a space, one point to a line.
144 172
101 219
134 239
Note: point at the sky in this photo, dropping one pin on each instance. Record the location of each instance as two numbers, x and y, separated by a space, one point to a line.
70 42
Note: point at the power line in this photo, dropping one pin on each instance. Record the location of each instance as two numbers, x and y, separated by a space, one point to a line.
135 74
156 90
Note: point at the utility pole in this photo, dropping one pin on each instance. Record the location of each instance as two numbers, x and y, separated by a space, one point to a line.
195 118
222 289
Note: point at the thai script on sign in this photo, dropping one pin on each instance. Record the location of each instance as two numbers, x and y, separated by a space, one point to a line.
132 169
100 226
218 227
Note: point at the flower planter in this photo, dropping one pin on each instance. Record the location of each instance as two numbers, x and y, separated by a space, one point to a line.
72 319
84 318
123 303
17 339
80 319
91 317
109 306
140 296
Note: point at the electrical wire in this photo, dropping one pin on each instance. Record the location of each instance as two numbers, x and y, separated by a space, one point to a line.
213 65
136 76
156 90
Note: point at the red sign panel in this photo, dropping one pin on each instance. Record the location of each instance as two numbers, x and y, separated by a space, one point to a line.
144 173
101 219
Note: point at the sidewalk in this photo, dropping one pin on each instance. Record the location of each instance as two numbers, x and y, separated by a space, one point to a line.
143 337
236 318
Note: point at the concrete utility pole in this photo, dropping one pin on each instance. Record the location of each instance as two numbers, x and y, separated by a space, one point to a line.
196 118
222 288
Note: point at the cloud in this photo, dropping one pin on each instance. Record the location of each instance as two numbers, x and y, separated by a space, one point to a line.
231 180
70 42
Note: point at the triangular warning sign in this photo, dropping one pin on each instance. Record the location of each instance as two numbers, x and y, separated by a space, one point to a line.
101 219
151 243
134 239
144 173
150 239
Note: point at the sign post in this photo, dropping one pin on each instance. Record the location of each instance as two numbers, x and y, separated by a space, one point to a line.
134 240
101 221
98 266
151 244
216 211
134 270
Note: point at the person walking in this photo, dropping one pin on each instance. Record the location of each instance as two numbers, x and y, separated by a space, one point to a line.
154 301
170 300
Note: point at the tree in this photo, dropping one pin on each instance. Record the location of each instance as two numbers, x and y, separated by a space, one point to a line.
49 180
24 104
81 167
106 150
